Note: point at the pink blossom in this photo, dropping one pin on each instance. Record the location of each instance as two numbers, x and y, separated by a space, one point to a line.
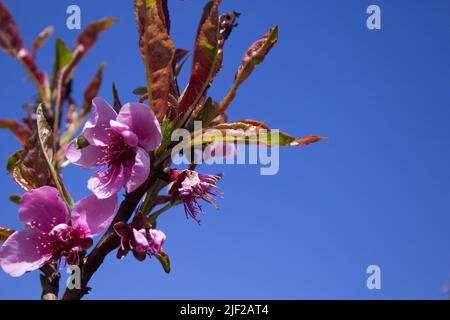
190 186
139 238
119 145
50 234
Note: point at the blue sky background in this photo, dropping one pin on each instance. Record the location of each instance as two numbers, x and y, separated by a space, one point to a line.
377 192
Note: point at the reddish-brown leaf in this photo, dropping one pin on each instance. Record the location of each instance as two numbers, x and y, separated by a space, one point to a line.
89 35
117 103
177 63
304 141
18 129
75 119
92 90
157 50
205 58
31 171
165 7
253 56
41 39
256 54
256 123
227 24
10 39
179 55
11 42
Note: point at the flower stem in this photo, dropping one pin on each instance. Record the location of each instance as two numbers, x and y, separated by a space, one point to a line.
159 212
149 199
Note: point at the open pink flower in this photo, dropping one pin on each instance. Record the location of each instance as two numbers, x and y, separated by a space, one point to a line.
119 145
49 235
190 186
139 238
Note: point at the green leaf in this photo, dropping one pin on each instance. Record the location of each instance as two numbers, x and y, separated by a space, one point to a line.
249 132
140 91
81 142
206 113
45 135
157 50
63 56
5 233
167 127
84 42
163 258
15 198
14 160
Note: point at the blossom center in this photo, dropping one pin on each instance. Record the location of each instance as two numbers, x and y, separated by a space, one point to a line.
66 241
118 151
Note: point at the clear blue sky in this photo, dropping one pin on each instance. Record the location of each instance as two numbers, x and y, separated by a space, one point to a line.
377 192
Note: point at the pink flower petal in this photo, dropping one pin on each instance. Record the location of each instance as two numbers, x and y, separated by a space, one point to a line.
142 121
95 128
139 172
158 239
93 215
140 240
87 157
23 252
129 136
105 184
43 209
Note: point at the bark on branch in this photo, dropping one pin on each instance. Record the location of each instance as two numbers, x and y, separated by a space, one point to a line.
50 281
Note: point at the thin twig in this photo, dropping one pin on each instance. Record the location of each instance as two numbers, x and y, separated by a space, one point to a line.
160 211
64 74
